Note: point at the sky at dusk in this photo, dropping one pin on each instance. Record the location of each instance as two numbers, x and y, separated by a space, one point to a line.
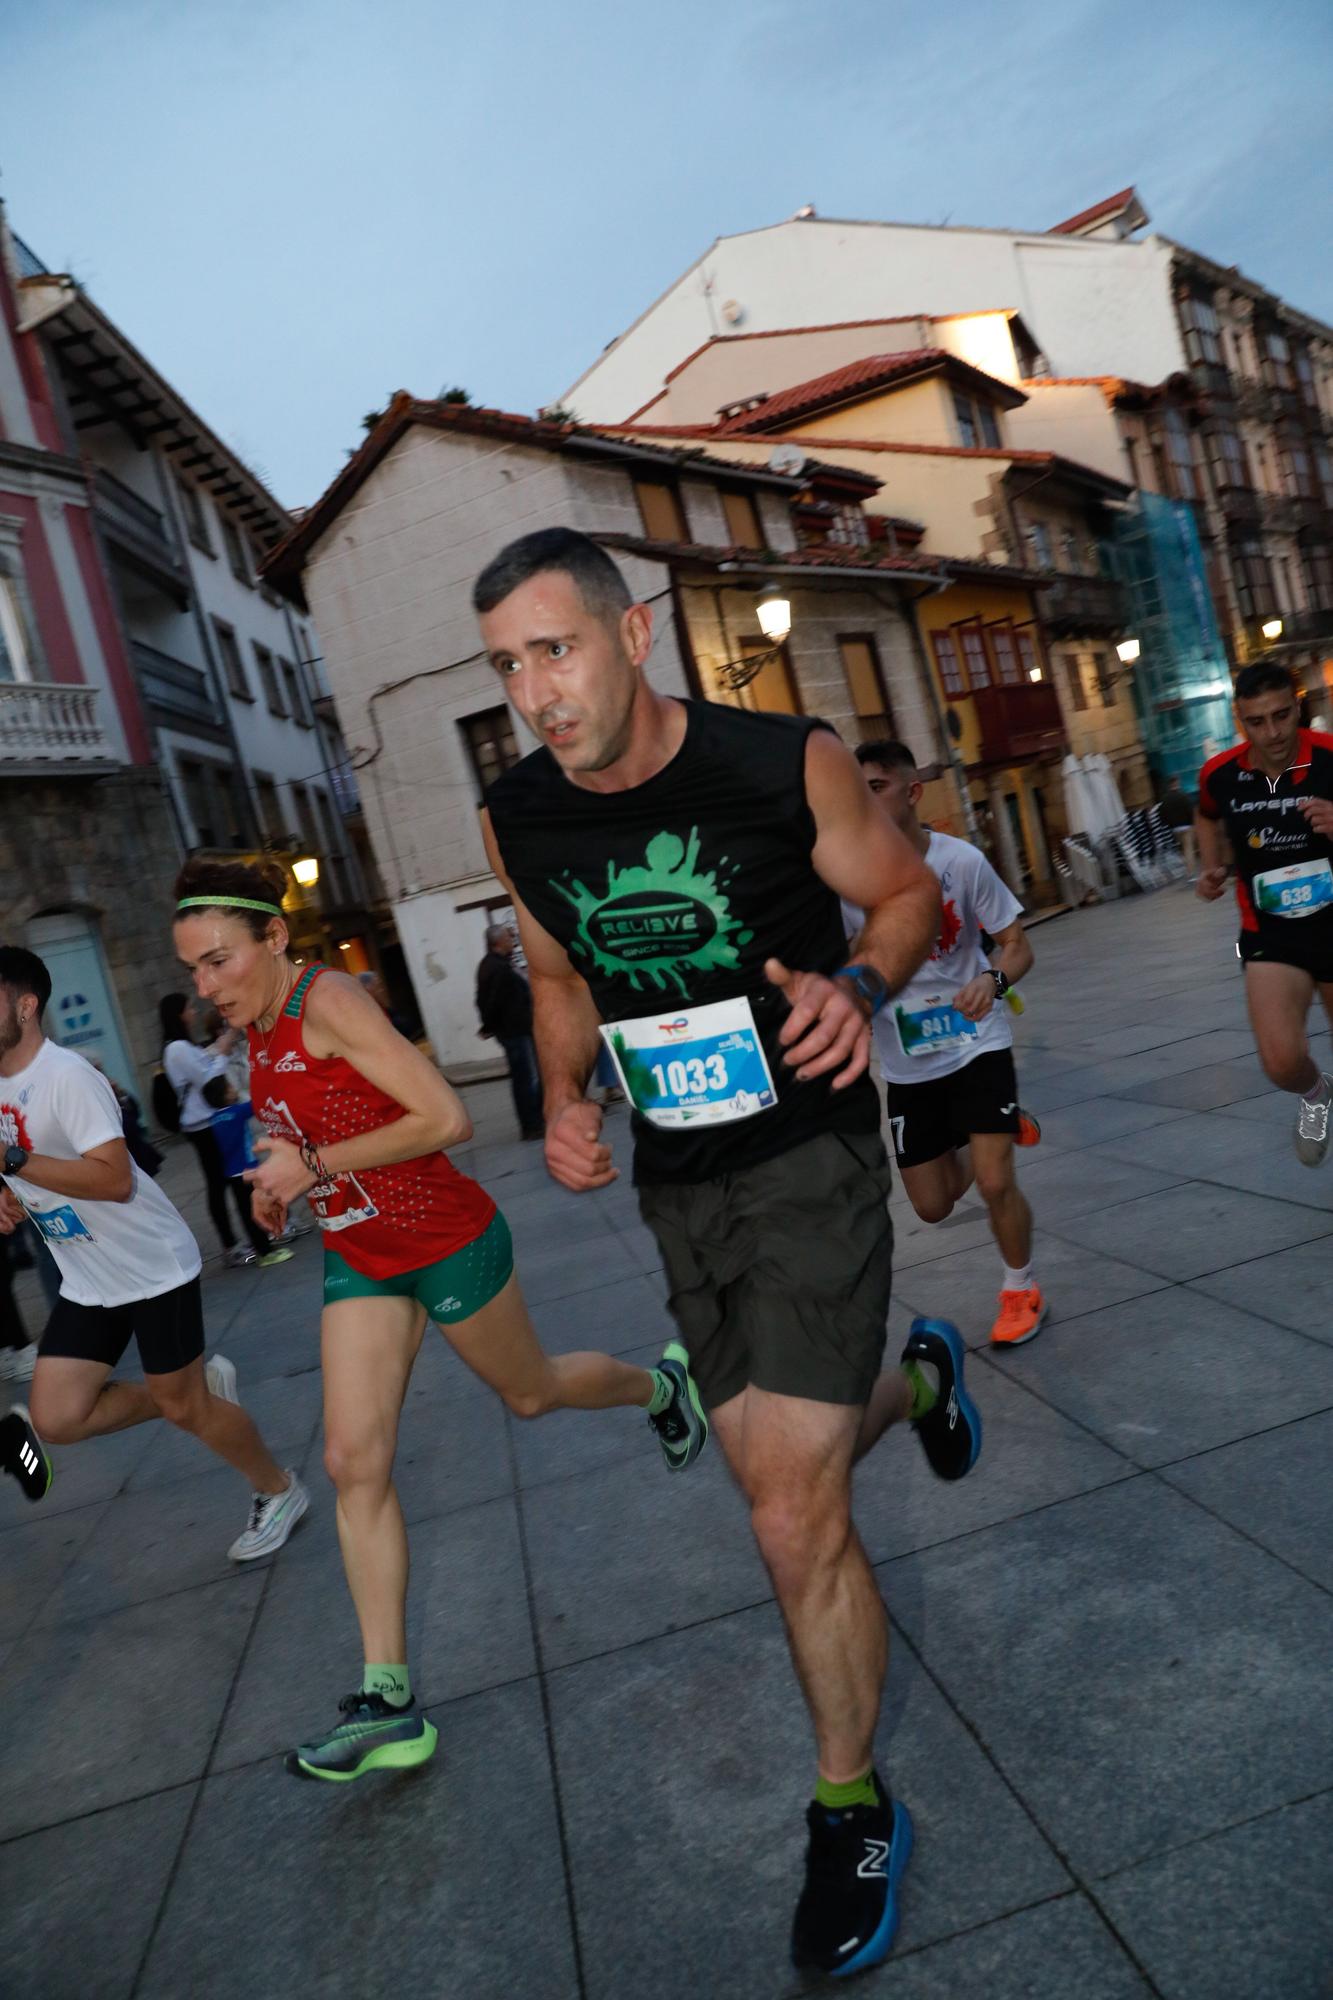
294 208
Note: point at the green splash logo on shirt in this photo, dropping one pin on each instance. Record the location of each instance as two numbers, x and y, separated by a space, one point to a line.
658 922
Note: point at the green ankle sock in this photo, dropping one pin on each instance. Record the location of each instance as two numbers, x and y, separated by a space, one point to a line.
394 1683
663 1390
925 1395
858 1792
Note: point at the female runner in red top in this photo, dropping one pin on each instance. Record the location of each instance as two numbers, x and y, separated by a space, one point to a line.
358 1119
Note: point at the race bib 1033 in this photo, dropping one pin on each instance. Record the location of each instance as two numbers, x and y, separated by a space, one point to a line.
695 1066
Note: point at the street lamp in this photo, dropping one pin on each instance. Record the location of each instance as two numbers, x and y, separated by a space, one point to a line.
1128 651
1271 629
774 615
306 870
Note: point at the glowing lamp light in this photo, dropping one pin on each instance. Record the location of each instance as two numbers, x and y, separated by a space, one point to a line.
346 945
774 618
1128 651
1034 673
306 870
1271 628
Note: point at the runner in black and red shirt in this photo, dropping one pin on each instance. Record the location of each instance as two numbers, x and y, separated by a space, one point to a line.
1270 800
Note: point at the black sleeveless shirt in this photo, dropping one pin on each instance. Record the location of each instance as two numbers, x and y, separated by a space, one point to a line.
675 893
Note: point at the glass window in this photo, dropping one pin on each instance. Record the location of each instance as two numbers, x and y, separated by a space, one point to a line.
297 707
15 664
1078 694
1180 453
491 745
743 530
266 798
1006 655
975 662
237 553
232 664
268 680
1279 361
1324 467
949 663
1029 653
1202 330
1106 684
990 429
1039 544
966 419
196 516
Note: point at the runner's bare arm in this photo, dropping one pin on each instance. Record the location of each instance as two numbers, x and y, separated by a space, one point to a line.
341 1019
1214 857
102 1174
564 1027
1013 957
864 858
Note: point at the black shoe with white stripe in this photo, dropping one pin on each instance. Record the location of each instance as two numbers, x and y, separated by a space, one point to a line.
847 1917
22 1455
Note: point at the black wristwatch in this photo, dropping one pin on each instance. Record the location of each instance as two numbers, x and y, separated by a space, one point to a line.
868 983
16 1159
1001 982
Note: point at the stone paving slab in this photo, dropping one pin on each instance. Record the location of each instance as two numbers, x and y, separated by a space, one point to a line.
1107 1706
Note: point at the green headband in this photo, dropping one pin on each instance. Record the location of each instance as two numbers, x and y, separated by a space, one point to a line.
226 903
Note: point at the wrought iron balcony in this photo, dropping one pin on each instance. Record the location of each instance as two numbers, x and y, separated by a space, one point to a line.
1018 722
141 534
50 723
1073 604
174 689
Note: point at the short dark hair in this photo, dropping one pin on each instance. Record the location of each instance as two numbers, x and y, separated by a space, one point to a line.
600 584
888 753
1264 677
21 971
171 1011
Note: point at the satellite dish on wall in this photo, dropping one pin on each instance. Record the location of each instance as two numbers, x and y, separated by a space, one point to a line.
733 312
786 458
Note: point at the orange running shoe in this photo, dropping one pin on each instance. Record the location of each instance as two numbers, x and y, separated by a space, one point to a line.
1029 1131
1020 1318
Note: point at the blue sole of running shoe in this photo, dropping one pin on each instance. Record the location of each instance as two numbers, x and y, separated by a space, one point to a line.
945 1330
878 1946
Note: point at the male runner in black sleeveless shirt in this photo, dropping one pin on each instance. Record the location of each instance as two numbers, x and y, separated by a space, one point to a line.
676 868
1267 805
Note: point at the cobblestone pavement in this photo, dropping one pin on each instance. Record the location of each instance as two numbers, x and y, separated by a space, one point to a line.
1109 1696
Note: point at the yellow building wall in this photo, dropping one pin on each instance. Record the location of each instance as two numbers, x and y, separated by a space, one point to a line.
917 413
988 602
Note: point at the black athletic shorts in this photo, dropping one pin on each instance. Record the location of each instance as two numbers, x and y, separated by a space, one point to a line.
168 1328
780 1273
932 1117
1305 942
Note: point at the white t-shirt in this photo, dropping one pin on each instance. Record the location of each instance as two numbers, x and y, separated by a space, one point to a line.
915 1036
109 1252
188 1068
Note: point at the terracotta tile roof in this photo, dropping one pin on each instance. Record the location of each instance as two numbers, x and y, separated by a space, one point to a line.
1070 466
1111 206
837 559
830 326
283 564
840 385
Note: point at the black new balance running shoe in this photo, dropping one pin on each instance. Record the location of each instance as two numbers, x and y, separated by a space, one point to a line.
374 1737
682 1427
847 1917
21 1453
950 1431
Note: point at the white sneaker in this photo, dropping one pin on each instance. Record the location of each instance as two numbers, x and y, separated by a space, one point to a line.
17 1363
1312 1117
272 1518
240 1254
220 1375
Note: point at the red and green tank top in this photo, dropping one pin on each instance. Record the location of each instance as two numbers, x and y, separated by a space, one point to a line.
382 1220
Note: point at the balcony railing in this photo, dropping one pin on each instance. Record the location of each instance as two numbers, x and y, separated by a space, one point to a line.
175 688
1018 722
141 533
50 722
1083 604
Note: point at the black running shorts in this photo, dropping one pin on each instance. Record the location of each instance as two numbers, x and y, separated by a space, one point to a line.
1305 942
168 1328
780 1273
932 1117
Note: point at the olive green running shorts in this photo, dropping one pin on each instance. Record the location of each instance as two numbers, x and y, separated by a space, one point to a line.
780 1274
450 1290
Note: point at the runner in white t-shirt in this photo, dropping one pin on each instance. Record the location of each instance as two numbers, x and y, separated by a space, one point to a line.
128 1267
945 1047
